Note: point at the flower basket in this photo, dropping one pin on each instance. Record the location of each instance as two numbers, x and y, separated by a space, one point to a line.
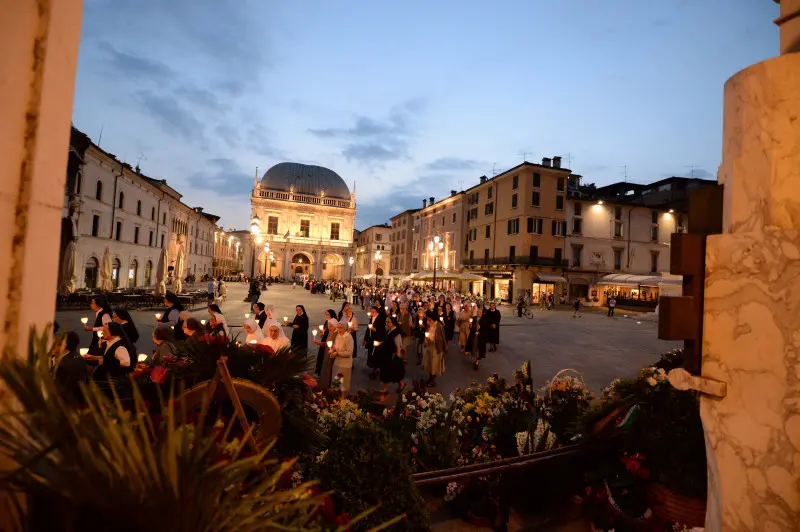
676 508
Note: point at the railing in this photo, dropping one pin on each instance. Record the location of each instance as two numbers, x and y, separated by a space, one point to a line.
304 198
522 260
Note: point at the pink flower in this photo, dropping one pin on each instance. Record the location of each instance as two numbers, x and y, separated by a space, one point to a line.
158 375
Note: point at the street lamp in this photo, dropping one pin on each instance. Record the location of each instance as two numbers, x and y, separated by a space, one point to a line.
255 230
378 257
266 256
435 249
351 261
271 262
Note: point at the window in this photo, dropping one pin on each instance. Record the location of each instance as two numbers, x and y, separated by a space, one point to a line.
654 216
150 241
535 199
148 273
489 193
433 224
132 271
442 220
618 213
121 200
534 253
162 241
560 184
617 259
558 227
334 231
535 226
139 208
578 208
577 226
515 182
164 219
471 254
512 253
98 191
454 217
486 255
272 225
119 230
654 233
654 262
305 228
559 203
90 270
414 263
115 268
488 231
537 180
617 229
558 255
79 183
379 236
488 209
576 256
95 226
135 235
513 201
513 226
153 213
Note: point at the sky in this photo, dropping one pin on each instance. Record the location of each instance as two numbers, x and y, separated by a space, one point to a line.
410 99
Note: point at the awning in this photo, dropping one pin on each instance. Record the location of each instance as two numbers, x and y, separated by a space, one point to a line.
550 278
624 279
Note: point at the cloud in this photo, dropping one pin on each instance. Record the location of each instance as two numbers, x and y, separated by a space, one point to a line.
223 176
453 163
135 67
171 115
201 98
374 142
379 209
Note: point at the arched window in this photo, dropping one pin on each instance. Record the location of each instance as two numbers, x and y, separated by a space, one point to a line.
121 200
132 272
98 191
148 273
115 273
139 208
90 270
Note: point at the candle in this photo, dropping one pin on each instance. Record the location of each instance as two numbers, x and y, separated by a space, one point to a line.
247 315
142 357
251 342
99 334
441 318
84 351
470 320
349 324
427 334
84 320
420 322
158 315
202 322
376 343
330 344
314 333
322 327
394 315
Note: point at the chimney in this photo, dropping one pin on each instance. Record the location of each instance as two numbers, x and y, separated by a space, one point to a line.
556 162
483 179
424 203
453 192
430 200
545 161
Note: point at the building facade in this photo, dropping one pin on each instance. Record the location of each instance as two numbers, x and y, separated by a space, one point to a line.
516 230
303 217
402 240
228 252
446 219
371 241
110 205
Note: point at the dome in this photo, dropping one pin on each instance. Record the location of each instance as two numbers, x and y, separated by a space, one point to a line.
306 179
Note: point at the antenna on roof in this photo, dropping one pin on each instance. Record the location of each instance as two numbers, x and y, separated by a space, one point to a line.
625 170
569 160
525 156
494 169
692 167
100 137
461 185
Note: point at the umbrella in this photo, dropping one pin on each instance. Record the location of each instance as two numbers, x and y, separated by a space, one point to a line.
161 274
466 276
68 270
178 273
106 285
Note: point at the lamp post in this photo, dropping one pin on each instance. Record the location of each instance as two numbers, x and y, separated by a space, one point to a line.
378 257
271 262
435 249
255 231
267 253
351 261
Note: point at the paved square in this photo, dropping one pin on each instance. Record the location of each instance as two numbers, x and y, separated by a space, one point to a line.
600 348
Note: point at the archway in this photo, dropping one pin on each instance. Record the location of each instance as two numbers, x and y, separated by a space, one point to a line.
133 272
90 272
301 264
116 265
333 267
270 265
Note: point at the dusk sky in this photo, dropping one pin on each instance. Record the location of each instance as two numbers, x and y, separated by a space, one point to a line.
410 99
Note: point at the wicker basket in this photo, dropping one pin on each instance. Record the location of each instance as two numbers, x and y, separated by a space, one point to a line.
674 507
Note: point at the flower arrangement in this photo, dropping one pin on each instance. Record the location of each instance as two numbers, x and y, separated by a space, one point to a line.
561 402
337 383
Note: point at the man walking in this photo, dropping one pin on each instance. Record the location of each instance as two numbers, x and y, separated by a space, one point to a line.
612 304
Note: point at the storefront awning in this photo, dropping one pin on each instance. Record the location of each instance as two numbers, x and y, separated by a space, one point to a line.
623 279
550 278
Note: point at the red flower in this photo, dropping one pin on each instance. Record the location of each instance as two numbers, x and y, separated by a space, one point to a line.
158 375
309 380
141 372
327 509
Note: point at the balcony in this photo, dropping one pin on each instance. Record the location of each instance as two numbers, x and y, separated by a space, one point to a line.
520 260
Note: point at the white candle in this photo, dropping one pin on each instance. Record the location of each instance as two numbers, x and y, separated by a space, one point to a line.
84 320
376 343
142 357
84 351
202 322
349 324
427 334
330 344
158 315
99 334
285 318
441 318
246 316
420 322
253 342
394 315
314 333
322 327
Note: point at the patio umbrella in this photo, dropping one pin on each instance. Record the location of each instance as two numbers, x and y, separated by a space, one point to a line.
161 274
68 270
178 285
466 276
106 285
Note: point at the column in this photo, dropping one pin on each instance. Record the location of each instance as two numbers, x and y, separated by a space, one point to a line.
751 322
41 39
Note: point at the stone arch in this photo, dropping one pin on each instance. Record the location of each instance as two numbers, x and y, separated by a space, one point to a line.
302 263
332 266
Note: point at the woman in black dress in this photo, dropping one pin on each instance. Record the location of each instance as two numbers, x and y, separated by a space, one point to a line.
102 316
493 331
376 333
300 329
329 314
392 357
484 335
71 370
123 317
449 322
172 315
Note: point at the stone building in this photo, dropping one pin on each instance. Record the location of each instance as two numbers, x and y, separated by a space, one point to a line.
446 219
109 204
402 240
372 240
304 216
228 252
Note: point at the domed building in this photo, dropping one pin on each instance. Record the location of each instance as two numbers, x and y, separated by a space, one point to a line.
305 214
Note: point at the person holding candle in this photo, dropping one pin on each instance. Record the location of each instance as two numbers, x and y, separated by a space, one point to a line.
218 326
254 334
329 315
493 332
326 371
172 315
436 344
276 339
194 330
118 358
393 358
449 322
405 323
484 323
164 339
420 327
376 333
123 317
102 316
70 370
464 329
261 314
352 327
300 329
341 353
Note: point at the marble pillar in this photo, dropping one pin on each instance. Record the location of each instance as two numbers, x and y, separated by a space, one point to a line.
40 41
751 329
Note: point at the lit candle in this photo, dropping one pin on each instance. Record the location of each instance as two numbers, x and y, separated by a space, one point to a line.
158 315
330 344
172 327
84 351
420 322
470 320
441 318
286 318
202 322
84 320
427 334
99 334
322 327
314 333
253 342
349 324
376 343
247 315
142 357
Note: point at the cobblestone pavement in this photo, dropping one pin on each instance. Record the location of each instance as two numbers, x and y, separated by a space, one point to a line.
598 347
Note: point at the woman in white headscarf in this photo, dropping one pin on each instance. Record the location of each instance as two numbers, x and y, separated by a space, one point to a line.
219 325
254 333
275 339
